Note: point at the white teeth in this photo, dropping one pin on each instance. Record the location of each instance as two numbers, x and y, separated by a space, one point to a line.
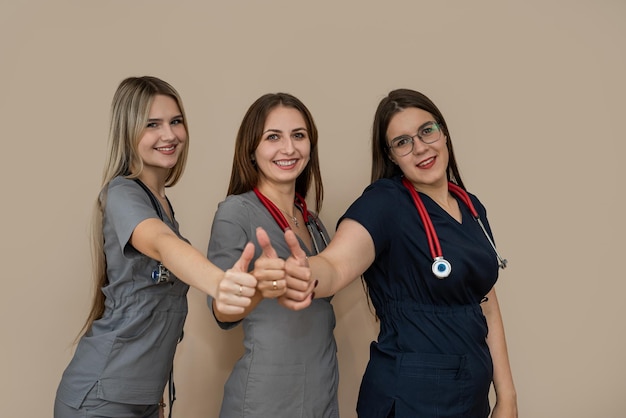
283 163
170 148
423 163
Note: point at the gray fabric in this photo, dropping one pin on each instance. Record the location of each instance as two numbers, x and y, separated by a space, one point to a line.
94 407
128 353
289 368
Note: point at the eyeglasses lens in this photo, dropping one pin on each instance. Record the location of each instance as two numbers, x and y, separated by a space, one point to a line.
428 134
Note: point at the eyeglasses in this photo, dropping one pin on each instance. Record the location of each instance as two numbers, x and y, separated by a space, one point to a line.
428 133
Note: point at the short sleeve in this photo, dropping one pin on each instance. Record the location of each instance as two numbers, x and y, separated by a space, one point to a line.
228 234
127 205
376 210
228 239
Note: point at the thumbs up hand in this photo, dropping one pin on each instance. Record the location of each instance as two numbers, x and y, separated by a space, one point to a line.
235 290
300 286
269 270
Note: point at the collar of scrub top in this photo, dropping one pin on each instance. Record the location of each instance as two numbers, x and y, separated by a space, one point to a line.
280 219
441 267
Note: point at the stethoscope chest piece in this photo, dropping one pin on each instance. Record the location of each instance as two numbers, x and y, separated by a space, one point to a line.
441 268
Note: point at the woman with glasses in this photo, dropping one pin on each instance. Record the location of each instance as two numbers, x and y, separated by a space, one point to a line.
425 250
289 367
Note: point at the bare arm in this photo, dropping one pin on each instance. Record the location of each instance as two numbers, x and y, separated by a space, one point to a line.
231 289
506 397
349 254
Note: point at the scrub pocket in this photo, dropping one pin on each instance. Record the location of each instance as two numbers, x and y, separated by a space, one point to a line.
433 385
275 391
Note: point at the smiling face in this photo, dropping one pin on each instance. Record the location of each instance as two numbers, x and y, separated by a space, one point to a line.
284 149
426 165
164 137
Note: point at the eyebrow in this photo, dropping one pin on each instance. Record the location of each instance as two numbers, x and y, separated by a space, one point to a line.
180 116
418 129
279 131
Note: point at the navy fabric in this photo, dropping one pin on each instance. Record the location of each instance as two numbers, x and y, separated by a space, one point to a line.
431 358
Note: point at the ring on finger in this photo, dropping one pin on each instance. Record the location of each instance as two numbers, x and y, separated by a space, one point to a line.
274 285
240 290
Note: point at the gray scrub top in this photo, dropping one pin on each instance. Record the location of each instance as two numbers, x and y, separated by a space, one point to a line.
289 368
128 353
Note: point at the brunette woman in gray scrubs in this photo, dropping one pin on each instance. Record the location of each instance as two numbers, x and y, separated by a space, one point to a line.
289 368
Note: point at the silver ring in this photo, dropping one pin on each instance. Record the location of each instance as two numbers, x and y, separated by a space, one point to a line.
274 285
240 290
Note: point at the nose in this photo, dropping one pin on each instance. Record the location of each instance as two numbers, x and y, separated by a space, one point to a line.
288 146
418 146
167 133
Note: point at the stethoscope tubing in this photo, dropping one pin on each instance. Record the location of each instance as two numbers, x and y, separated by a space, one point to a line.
441 267
282 221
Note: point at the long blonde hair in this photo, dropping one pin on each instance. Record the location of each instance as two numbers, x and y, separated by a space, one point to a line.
129 116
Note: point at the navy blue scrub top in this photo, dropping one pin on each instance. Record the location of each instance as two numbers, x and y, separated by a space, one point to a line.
431 358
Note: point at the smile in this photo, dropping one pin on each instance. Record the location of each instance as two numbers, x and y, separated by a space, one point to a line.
285 163
170 148
426 162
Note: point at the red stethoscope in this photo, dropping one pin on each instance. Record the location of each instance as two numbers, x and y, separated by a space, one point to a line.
441 267
282 221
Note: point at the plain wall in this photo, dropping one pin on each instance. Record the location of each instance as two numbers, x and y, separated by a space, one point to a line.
533 92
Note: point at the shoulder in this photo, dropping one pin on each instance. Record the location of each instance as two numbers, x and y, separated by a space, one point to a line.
480 208
121 186
126 198
383 192
243 210
385 186
379 201
236 205
233 201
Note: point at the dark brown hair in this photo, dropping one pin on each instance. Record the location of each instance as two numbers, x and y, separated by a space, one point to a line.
244 175
396 101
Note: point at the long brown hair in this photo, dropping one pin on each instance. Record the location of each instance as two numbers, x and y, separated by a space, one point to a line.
382 166
396 101
130 110
245 176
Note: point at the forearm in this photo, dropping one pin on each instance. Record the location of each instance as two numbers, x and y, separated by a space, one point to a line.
349 254
189 264
326 274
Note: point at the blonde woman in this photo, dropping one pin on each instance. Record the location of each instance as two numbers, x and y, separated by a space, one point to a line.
143 266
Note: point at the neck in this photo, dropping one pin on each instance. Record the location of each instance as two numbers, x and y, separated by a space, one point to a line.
154 183
282 197
438 193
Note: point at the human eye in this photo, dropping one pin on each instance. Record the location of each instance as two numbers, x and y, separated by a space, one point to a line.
428 129
299 135
401 141
272 137
177 121
152 125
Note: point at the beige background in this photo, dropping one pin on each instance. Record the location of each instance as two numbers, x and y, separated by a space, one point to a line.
533 92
